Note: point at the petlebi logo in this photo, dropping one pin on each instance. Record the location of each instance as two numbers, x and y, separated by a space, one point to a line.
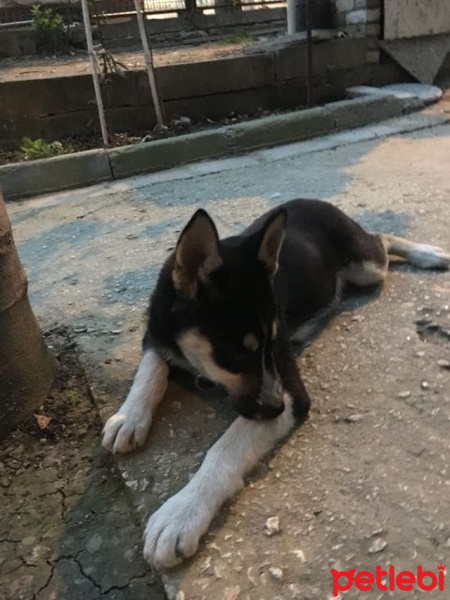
391 580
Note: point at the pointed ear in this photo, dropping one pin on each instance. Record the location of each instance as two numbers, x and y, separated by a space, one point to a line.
272 240
197 254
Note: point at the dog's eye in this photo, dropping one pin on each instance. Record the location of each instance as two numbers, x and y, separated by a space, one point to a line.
250 341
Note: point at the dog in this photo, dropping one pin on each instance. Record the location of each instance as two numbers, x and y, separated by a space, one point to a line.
228 311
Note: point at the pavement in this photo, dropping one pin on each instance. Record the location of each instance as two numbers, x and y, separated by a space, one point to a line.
366 480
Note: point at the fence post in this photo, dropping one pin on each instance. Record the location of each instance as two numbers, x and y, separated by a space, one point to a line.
94 72
138 4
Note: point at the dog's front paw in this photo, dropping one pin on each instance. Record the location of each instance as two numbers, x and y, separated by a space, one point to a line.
126 431
174 531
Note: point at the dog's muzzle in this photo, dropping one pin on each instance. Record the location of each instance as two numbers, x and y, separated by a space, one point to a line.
270 403
269 411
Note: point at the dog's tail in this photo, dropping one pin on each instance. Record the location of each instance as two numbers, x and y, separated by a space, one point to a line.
420 255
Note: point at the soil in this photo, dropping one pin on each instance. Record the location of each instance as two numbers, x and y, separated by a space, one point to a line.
37 67
62 499
176 127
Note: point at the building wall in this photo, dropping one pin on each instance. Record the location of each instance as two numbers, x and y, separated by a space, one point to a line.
412 18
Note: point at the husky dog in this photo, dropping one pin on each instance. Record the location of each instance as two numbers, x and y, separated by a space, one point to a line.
228 310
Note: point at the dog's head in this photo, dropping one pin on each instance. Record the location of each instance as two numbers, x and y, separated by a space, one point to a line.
227 311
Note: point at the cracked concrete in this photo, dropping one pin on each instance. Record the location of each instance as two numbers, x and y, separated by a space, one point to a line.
61 499
365 481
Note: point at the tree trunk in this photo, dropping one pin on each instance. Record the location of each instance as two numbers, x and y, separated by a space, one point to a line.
26 365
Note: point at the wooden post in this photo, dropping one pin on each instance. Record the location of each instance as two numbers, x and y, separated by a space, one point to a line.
149 63
94 72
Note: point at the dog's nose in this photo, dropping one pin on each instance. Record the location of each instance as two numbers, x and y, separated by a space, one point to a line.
270 402
270 411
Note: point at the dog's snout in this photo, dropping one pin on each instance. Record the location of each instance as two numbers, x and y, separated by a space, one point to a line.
270 402
264 403
252 408
270 411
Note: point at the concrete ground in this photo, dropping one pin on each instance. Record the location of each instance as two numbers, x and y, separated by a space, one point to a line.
366 480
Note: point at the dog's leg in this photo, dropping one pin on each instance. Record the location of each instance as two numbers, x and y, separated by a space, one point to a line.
290 376
420 255
174 531
129 427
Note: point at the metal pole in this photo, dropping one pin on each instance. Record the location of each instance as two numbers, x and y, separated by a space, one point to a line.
291 14
94 73
149 63
309 89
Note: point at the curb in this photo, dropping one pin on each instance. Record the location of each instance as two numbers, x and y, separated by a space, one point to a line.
166 154
32 178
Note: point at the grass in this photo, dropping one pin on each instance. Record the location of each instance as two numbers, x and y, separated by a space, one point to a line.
238 38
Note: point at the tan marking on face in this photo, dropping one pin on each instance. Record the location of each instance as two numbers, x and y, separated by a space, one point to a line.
250 341
199 352
274 329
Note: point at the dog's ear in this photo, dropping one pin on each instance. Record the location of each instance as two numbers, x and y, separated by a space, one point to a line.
197 254
271 241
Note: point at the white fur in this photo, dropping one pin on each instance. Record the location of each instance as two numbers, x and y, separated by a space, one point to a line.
307 330
128 428
429 257
174 531
198 351
420 255
364 273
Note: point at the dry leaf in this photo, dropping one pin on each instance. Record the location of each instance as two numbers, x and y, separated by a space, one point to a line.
232 593
42 421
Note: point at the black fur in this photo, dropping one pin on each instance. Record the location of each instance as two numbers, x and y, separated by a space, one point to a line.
239 297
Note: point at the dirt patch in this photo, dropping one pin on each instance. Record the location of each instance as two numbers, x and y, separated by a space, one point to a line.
176 127
62 501
38 67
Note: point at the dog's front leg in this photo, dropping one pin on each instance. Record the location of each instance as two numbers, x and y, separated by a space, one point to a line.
129 427
174 531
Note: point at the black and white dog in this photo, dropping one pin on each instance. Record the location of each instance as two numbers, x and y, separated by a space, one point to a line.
228 310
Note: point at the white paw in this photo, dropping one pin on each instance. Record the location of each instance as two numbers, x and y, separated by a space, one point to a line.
124 431
429 257
174 531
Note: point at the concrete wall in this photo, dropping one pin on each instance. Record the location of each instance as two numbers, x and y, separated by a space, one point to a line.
361 18
19 41
412 18
58 108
